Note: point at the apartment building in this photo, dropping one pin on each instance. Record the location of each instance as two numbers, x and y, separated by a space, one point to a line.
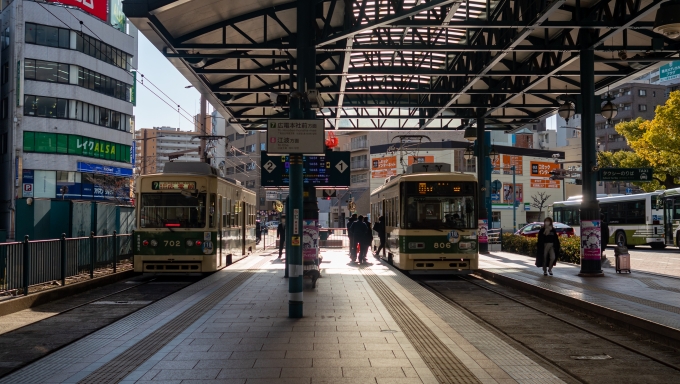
155 145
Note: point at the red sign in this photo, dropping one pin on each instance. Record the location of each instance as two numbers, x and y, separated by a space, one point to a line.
545 183
96 8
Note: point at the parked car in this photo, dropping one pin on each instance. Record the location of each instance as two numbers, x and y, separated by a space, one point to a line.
272 224
531 230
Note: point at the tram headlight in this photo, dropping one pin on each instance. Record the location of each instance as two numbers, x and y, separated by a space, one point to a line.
154 243
145 243
190 243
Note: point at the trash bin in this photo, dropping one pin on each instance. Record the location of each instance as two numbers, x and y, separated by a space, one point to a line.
622 258
323 234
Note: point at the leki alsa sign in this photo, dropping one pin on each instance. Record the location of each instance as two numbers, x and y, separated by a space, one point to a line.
96 8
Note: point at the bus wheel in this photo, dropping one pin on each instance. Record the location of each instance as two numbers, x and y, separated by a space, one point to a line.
658 245
620 238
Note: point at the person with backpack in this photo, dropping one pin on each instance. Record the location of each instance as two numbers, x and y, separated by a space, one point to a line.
379 227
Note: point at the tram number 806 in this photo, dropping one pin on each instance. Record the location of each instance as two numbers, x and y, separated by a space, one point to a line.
442 245
172 243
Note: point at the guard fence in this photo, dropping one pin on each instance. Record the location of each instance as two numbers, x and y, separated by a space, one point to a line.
30 263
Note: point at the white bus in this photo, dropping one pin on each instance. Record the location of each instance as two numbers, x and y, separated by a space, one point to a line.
671 216
630 219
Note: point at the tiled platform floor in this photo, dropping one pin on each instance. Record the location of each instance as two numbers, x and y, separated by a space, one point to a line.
650 297
346 336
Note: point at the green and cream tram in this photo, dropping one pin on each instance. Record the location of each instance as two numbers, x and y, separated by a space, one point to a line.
190 220
430 220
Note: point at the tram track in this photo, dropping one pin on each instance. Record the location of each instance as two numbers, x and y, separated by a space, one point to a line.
480 317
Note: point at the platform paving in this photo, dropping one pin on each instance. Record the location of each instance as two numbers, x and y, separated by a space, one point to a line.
650 297
360 325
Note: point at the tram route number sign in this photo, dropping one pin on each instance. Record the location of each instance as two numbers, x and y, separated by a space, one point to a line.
625 174
329 171
296 137
170 185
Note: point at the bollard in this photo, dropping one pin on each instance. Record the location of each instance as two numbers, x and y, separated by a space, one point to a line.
27 266
115 251
93 251
229 260
62 242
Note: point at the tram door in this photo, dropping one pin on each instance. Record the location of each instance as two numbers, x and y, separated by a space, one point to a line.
671 215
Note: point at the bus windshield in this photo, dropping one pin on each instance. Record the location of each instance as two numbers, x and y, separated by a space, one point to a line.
172 210
440 205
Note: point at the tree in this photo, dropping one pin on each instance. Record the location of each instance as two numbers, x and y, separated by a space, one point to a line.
539 201
655 144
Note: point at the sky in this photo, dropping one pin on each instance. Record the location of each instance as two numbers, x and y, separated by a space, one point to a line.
151 111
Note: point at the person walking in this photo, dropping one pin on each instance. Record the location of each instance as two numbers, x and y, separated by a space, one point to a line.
357 231
379 227
258 232
365 238
281 235
548 247
352 243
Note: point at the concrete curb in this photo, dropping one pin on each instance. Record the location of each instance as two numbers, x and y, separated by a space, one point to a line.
33 300
658 332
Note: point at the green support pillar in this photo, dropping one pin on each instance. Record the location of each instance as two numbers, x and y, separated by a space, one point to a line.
591 264
483 179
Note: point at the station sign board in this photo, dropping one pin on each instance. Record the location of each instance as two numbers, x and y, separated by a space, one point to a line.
331 170
296 137
625 174
670 71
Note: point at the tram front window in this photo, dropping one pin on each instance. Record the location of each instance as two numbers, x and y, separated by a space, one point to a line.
440 205
172 210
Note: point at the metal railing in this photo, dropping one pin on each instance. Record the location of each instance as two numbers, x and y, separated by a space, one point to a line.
31 263
495 239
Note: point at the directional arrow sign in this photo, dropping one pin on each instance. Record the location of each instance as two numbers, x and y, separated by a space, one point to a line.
341 166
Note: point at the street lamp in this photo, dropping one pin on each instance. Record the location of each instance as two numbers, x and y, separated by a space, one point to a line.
493 154
470 134
667 21
566 111
469 153
609 111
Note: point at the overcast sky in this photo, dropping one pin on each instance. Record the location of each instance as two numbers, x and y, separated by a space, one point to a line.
151 111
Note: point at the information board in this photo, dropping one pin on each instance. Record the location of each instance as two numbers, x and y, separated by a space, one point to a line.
625 174
670 71
286 137
328 171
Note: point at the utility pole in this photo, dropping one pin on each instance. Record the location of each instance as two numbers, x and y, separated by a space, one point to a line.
202 127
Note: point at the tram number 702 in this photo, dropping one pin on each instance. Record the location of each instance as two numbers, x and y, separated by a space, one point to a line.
172 243
442 245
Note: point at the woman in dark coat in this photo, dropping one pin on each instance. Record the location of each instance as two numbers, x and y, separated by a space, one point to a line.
548 247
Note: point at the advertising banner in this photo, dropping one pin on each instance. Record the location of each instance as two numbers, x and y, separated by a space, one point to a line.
117 18
420 159
496 165
591 239
483 231
509 161
545 183
96 8
310 240
508 193
543 168
383 167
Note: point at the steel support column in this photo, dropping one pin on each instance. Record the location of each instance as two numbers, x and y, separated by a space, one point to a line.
483 179
590 210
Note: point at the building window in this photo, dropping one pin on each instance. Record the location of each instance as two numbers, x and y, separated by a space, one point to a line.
360 178
251 166
250 148
3 144
230 138
46 71
642 92
5 108
52 107
627 107
230 170
360 142
5 38
263 146
250 184
61 38
359 162
642 107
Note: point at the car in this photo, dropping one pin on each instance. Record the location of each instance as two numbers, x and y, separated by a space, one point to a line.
532 229
272 224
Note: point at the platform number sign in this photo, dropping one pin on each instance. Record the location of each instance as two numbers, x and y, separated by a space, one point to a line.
269 166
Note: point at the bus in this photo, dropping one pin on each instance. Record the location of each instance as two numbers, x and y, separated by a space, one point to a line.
631 219
430 220
671 216
190 220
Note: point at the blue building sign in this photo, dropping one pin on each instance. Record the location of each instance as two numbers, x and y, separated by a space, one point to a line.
103 169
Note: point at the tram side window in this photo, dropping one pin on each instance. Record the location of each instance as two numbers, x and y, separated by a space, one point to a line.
224 212
230 221
213 207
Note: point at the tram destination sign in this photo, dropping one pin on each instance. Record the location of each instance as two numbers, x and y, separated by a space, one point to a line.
328 171
296 137
625 174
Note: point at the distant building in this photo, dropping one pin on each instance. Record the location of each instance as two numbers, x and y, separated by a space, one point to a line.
155 145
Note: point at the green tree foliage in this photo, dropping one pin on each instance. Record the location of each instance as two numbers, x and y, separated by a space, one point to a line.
655 144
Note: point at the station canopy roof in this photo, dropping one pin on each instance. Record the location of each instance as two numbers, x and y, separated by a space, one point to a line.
405 64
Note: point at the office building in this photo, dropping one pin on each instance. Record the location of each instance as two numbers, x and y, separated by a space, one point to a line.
154 146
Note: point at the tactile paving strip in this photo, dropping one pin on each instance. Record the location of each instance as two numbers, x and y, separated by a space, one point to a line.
445 366
652 284
117 369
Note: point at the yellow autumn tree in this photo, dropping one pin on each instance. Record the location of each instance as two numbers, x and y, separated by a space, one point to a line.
655 143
